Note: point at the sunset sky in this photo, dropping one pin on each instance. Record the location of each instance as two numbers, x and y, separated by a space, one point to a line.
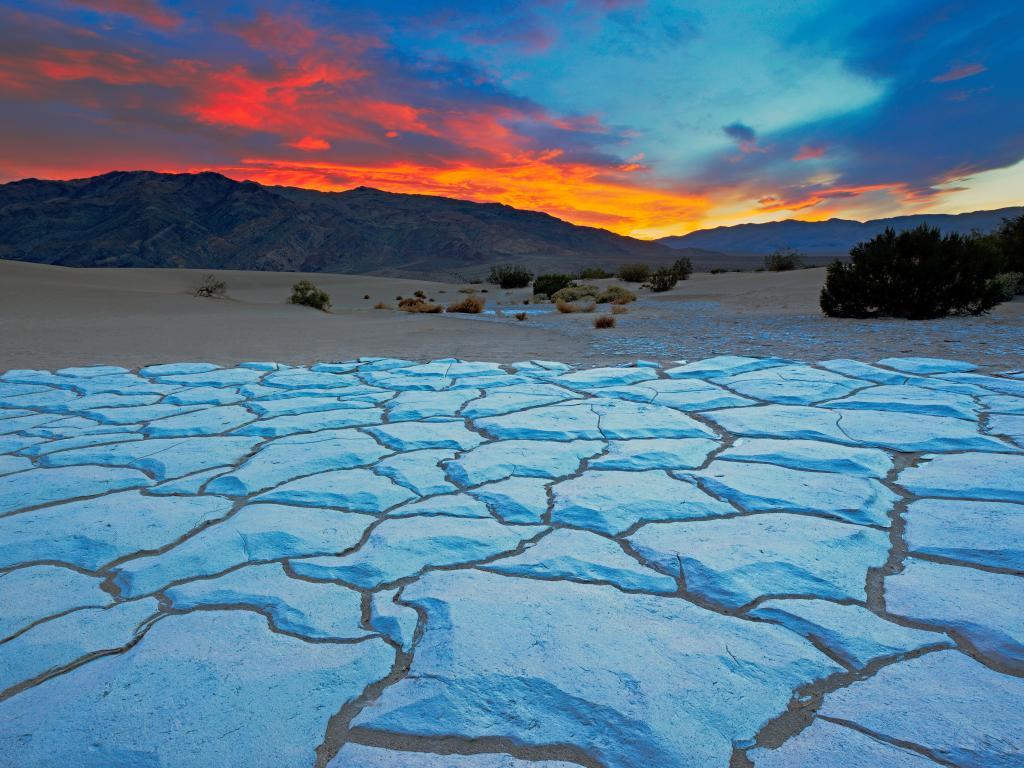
647 118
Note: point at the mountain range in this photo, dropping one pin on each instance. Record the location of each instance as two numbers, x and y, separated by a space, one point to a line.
833 237
208 221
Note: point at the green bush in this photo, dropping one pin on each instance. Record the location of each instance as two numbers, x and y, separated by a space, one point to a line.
683 267
1008 284
212 288
634 273
550 284
615 294
510 276
916 274
1010 241
783 260
663 279
308 295
595 273
575 293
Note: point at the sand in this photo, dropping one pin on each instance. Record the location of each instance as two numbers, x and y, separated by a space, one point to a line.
52 317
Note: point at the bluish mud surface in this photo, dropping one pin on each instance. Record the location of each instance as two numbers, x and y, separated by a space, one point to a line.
734 561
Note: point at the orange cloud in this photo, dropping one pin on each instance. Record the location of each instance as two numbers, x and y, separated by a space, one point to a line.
309 143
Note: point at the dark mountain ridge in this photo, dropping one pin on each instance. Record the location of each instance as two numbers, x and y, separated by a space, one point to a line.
208 221
834 236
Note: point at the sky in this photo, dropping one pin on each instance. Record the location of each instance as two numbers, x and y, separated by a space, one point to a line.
645 117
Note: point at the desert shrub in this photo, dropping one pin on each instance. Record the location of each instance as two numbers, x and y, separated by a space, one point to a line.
1008 284
381 305
366 295
521 315
539 297
783 260
595 273
618 309
510 276
1009 239
634 273
417 304
308 295
420 295
550 284
212 288
615 294
916 274
576 292
472 305
604 321
683 267
570 307
663 279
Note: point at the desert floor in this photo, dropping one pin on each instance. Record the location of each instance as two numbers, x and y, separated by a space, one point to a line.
54 316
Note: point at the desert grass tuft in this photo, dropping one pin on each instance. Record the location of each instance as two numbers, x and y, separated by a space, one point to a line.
472 305
604 321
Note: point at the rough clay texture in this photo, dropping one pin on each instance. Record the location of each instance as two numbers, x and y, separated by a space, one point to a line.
727 562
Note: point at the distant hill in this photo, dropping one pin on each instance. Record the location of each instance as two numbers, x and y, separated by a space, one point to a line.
832 237
207 221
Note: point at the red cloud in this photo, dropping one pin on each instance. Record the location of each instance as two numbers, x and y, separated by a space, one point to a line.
959 73
147 11
809 152
310 144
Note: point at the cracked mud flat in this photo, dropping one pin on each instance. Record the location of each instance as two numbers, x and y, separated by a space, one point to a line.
734 561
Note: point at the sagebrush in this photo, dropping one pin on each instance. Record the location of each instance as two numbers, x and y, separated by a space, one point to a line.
308 295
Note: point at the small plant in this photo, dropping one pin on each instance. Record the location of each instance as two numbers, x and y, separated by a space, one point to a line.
618 309
419 305
212 288
550 284
683 267
510 276
615 294
308 295
1008 284
420 295
783 260
521 316
917 274
576 292
634 273
366 295
381 305
595 273
569 307
604 321
663 279
472 305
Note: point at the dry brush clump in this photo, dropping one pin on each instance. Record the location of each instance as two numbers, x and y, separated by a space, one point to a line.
572 307
604 321
381 305
212 288
619 309
615 294
419 305
472 305
521 316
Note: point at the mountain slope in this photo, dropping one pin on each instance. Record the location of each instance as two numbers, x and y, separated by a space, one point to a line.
835 236
205 220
